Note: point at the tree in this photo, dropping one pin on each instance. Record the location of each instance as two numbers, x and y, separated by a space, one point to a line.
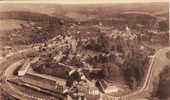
168 54
163 26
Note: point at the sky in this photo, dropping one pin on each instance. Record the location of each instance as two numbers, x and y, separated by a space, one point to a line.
85 1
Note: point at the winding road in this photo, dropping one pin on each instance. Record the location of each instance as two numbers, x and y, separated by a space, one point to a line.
158 63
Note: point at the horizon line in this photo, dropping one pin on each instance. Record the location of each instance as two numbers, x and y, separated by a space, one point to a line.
80 2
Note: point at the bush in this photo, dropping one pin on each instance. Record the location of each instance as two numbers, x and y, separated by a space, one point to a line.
164 86
168 54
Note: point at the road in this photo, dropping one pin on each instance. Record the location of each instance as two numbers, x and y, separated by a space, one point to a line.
158 63
13 60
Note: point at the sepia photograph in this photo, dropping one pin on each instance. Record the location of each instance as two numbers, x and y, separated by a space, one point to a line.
84 50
